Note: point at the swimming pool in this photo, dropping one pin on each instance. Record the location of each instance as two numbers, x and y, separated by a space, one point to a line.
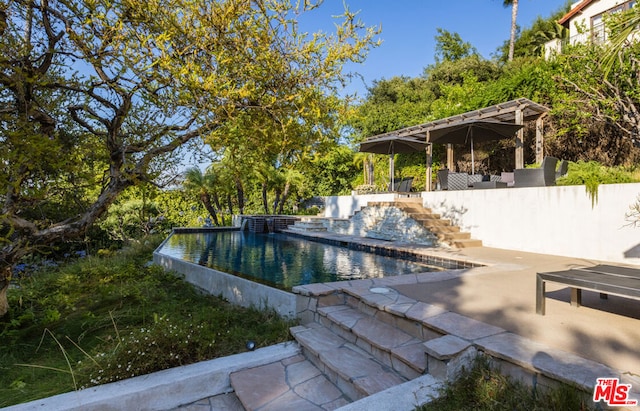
280 260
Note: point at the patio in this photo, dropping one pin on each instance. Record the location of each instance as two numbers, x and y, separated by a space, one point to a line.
501 121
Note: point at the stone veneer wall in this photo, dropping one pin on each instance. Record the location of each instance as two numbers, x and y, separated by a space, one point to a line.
382 222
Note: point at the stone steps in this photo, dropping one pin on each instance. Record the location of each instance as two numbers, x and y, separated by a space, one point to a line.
444 230
291 384
354 371
351 353
313 225
391 346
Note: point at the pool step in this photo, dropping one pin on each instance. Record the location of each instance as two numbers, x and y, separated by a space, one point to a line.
309 224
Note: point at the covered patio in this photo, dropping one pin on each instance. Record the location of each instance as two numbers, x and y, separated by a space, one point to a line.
517 112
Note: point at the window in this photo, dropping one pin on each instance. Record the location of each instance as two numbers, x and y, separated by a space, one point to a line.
598 32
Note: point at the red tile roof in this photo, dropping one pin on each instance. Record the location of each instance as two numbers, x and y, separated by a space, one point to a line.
575 10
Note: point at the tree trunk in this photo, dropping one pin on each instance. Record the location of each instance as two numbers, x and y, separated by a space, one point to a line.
512 40
230 204
265 201
240 191
206 200
276 201
285 194
4 285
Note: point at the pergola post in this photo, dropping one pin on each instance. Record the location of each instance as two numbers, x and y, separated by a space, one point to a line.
450 157
519 119
539 139
429 152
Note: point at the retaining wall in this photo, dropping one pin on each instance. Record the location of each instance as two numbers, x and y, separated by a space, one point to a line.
556 220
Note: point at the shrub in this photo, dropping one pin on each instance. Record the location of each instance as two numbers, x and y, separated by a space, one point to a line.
592 174
483 388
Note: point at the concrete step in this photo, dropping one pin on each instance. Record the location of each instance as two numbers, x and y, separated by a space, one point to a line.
430 222
423 215
444 229
350 368
414 208
455 236
466 243
417 200
291 384
315 226
386 343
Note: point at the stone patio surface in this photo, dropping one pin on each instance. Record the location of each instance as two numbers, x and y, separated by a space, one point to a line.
503 294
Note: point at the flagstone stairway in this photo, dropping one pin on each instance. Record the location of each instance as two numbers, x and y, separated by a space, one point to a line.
364 346
350 351
380 223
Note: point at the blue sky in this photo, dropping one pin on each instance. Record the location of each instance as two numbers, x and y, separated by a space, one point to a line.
409 28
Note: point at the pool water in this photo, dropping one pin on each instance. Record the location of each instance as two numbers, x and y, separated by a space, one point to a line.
281 260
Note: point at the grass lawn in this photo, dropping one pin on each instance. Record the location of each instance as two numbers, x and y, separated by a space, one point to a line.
105 318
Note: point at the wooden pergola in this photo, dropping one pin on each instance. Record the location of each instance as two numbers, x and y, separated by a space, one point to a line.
519 111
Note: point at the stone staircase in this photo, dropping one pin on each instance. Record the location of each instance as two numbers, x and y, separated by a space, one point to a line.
364 346
443 229
350 352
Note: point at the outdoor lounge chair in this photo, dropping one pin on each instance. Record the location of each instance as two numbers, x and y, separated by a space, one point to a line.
545 175
563 169
405 185
443 179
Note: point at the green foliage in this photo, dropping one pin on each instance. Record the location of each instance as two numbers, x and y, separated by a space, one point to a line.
451 47
592 174
114 317
392 104
331 173
483 388
530 40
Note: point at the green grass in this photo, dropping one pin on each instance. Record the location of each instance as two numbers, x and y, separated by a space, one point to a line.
483 388
103 319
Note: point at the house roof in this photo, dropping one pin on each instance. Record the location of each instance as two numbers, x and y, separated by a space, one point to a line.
574 10
505 112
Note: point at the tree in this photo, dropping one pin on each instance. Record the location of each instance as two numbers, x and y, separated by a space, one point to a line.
203 184
514 26
152 77
608 77
451 47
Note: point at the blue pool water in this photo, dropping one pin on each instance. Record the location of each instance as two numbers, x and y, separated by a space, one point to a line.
280 260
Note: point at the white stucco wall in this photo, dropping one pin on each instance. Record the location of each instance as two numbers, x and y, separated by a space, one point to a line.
583 18
547 220
345 206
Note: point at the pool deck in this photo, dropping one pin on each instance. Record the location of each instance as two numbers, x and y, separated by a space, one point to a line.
503 294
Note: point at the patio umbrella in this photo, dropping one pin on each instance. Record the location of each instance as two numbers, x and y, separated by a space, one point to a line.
470 131
392 144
